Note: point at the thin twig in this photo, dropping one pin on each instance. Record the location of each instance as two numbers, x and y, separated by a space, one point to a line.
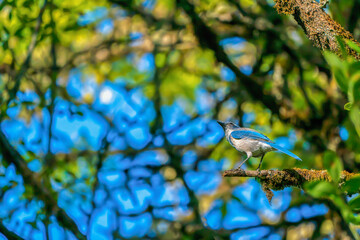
31 48
54 72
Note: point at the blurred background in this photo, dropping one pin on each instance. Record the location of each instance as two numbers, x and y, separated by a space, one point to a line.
109 109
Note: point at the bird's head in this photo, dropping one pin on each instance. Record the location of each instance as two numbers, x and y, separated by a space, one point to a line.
228 125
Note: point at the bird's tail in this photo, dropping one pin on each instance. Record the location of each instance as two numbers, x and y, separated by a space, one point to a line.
283 150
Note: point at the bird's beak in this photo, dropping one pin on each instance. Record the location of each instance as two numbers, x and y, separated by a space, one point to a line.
222 124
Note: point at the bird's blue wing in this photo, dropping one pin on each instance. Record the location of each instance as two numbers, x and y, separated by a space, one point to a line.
247 134
283 150
240 134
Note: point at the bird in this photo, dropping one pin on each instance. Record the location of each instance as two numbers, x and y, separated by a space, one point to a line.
251 142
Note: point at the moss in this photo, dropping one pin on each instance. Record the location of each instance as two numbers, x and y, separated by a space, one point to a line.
285 6
323 31
297 177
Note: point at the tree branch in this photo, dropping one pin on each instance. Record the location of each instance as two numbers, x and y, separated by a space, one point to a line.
317 25
10 154
209 39
9 234
49 157
280 179
31 48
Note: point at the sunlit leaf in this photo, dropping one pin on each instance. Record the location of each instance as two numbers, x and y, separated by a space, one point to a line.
355 118
351 186
355 204
320 189
348 106
339 69
333 165
353 45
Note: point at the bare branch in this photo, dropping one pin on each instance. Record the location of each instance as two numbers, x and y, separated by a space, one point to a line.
31 48
10 155
49 158
9 234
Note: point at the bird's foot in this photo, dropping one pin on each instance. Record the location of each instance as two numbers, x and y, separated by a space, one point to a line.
238 169
258 171
271 173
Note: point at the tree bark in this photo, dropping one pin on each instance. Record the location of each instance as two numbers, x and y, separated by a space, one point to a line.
319 27
296 177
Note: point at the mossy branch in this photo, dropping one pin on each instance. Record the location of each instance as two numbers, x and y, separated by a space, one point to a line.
319 27
296 177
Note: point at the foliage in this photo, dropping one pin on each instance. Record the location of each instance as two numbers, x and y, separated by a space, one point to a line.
108 120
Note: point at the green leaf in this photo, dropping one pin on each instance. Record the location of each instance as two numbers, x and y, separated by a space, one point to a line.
345 209
179 82
333 165
339 68
342 45
320 189
353 45
160 60
351 186
355 204
348 106
341 79
355 118
354 88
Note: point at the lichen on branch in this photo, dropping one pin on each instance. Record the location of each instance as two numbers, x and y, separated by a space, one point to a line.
296 177
319 27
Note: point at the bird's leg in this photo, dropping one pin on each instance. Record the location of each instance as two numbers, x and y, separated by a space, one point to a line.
248 155
258 169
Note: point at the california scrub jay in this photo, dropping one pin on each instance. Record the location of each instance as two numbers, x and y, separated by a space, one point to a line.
251 142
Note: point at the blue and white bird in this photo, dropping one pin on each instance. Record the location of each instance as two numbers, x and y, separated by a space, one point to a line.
251 142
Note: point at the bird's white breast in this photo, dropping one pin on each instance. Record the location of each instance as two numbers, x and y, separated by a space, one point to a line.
257 148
